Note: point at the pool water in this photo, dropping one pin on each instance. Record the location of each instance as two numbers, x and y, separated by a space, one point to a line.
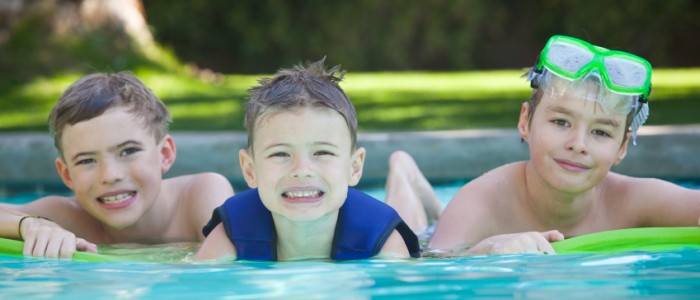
633 275
629 275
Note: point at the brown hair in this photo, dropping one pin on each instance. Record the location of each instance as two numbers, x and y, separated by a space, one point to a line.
92 95
300 86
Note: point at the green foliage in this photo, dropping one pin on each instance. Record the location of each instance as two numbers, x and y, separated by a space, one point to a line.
388 101
254 36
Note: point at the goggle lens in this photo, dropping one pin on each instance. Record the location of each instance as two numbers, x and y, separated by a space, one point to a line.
625 73
569 57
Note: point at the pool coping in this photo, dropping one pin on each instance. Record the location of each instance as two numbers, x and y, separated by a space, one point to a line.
662 151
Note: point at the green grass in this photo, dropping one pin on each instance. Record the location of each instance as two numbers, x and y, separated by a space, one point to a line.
384 101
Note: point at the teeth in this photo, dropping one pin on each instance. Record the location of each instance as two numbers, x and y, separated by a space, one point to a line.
302 194
116 198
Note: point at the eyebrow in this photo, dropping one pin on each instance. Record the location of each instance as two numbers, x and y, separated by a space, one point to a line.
118 146
604 121
288 145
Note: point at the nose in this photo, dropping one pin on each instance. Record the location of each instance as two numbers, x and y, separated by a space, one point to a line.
110 172
302 167
577 141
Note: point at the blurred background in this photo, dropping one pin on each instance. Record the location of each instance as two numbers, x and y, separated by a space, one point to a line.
412 65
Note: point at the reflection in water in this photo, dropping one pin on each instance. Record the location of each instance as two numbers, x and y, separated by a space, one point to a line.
662 274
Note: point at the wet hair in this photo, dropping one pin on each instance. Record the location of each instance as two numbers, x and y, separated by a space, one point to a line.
92 95
301 86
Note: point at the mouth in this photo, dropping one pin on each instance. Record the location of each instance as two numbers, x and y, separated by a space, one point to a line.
116 201
571 166
303 196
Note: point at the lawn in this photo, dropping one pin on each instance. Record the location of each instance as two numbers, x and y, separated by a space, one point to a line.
384 101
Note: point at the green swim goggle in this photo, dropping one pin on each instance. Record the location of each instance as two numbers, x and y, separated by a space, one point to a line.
573 59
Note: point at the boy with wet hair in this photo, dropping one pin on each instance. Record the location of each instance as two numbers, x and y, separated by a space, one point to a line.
111 134
587 103
300 161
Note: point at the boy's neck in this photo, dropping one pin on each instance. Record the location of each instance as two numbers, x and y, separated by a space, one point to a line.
554 208
300 240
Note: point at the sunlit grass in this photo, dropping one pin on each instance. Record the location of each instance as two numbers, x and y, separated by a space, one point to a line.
384 101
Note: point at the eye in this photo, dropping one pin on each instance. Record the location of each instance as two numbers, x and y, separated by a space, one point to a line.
279 154
324 152
601 133
129 151
561 122
85 161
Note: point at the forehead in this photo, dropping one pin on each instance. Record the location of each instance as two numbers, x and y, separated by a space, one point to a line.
114 126
302 123
571 103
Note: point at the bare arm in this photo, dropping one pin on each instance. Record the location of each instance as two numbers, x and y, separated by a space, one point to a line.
42 237
663 204
465 220
216 245
394 247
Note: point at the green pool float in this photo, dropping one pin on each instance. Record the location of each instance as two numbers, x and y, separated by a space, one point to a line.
613 241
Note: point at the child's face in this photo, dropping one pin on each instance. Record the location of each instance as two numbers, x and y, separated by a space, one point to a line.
573 142
114 166
302 162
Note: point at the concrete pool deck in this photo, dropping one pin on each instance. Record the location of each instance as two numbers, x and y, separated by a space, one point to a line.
27 159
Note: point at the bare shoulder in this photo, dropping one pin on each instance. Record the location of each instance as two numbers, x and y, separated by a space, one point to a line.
197 195
494 184
198 185
646 189
652 201
472 214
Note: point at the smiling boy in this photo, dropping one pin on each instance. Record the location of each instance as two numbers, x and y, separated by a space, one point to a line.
587 103
301 159
111 134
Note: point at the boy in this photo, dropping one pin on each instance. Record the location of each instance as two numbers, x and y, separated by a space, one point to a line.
111 134
587 103
300 160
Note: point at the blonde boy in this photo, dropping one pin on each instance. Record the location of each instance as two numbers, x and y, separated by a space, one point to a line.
587 103
111 134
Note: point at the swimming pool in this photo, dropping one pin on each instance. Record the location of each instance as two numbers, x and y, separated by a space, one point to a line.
672 274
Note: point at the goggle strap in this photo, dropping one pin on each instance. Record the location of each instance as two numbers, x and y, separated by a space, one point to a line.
639 119
535 77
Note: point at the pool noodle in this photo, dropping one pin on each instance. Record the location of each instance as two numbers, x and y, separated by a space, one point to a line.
613 241
632 239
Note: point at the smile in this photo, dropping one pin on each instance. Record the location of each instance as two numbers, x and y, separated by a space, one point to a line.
572 166
302 196
118 200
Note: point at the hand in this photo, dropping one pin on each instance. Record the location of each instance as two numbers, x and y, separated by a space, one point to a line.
526 242
44 238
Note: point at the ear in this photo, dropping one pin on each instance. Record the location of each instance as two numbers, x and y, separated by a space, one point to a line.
623 149
62 169
357 164
167 152
524 121
247 167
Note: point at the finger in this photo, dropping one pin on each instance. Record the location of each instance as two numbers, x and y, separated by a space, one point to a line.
67 248
42 240
552 235
29 242
53 246
83 245
545 247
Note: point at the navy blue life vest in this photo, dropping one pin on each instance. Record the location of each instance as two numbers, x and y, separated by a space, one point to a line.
364 224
